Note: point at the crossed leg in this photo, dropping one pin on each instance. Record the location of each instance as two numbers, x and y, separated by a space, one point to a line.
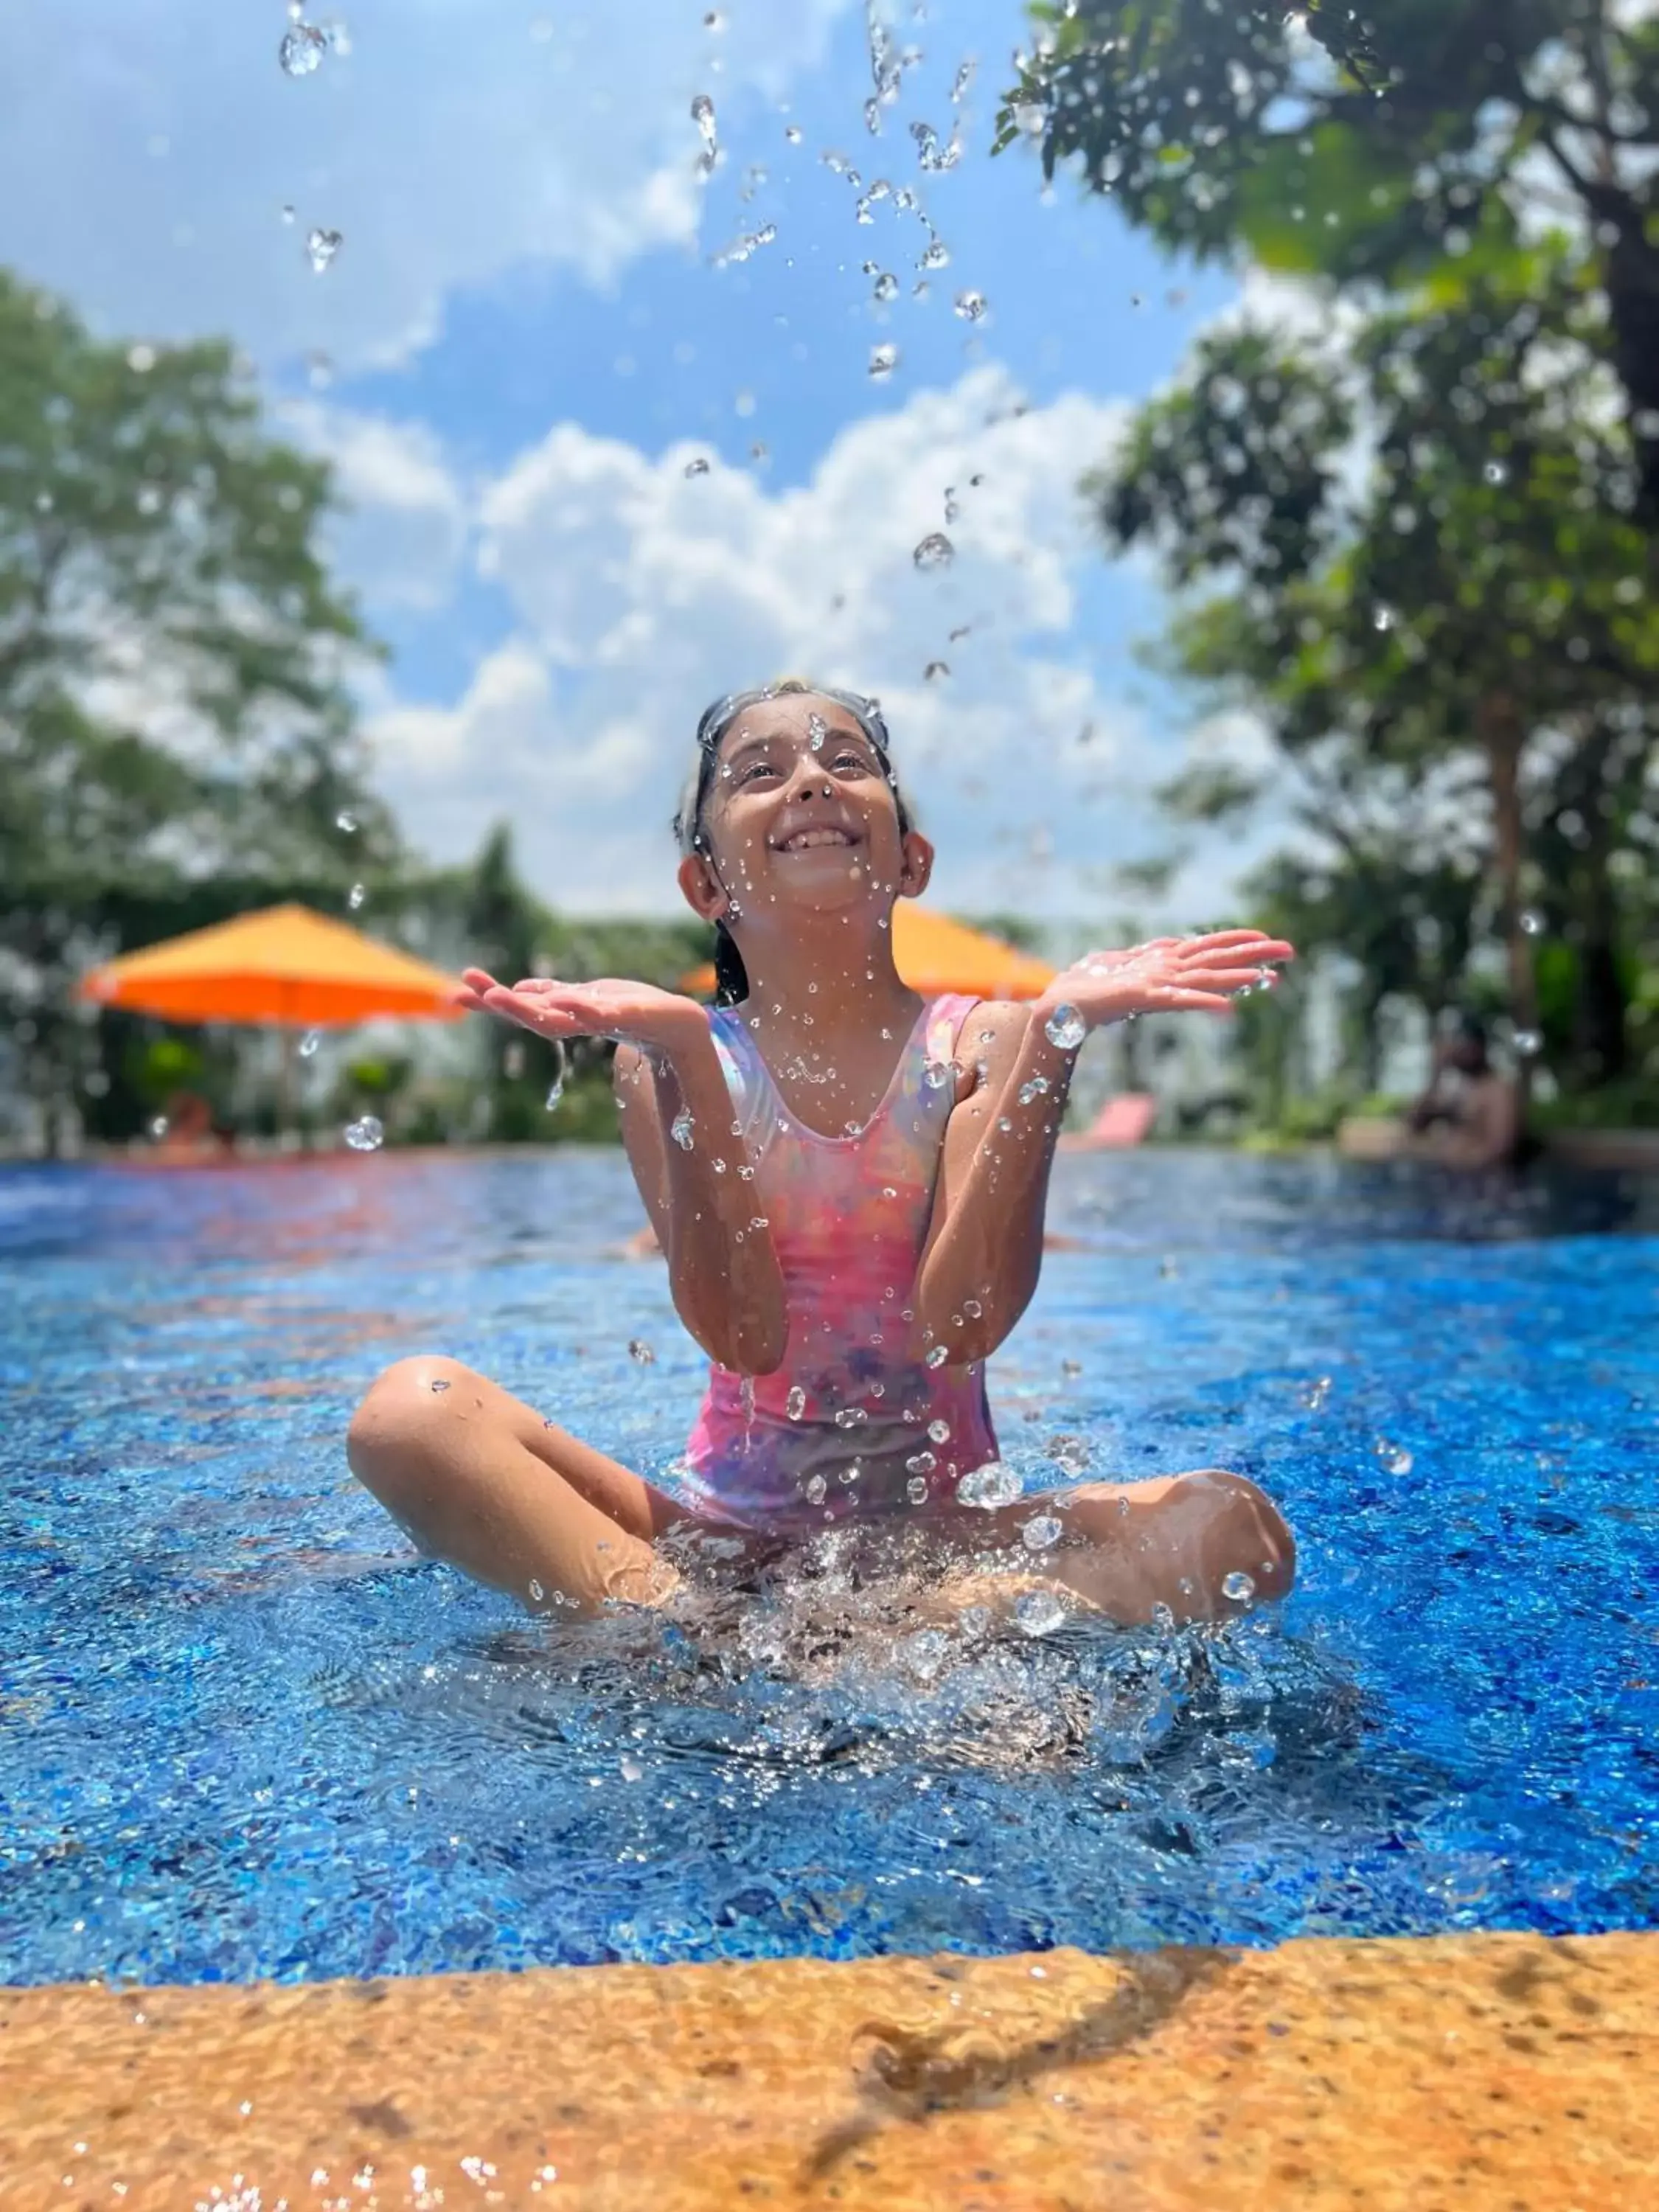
479 1478
1206 1545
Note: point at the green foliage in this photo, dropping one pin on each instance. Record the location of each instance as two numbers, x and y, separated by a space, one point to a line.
1448 630
1407 144
158 570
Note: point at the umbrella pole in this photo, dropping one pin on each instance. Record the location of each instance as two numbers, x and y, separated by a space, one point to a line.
288 1090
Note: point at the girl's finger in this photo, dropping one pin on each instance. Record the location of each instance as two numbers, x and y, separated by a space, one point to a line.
1268 948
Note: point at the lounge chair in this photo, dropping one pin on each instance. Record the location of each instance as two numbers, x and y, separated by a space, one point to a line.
1122 1121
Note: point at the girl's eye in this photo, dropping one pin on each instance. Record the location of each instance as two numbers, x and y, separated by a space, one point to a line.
849 760
754 768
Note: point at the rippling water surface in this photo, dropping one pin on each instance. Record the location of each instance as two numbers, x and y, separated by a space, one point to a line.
245 1732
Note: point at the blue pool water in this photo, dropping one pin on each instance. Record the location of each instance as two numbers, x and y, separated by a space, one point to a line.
244 1731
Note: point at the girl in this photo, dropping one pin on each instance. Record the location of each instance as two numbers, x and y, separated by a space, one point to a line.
850 1185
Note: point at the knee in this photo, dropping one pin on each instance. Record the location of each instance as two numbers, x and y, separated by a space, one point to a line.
1246 1534
398 1412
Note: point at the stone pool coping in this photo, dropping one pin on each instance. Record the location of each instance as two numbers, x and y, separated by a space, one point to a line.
1510 2071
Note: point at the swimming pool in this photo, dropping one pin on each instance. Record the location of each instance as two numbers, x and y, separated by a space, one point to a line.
247 1733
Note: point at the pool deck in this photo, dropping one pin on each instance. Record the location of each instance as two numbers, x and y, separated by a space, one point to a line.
1505 2071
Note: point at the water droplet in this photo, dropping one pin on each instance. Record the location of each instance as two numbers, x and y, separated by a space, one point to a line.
366 1135
322 245
1314 1394
309 1042
561 1068
1039 1613
971 306
158 1127
290 216
1394 1457
938 1356
702 114
640 1352
795 1404
934 551
935 670
792 132
1041 1531
884 359
355 897
1531 922
1496 472
348 822
921 1462
935 255
1528 1044
939 1431
816 1487
886 285
631 1771
1382 619
438 1386
963 78
936 1073
816 730
1036 1088
989 1487
714 20
681 1128
916 1488
302 49
1238 1586
697 468
850 1416
1066 1028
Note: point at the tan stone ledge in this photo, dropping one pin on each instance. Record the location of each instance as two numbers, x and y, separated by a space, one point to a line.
1500 2071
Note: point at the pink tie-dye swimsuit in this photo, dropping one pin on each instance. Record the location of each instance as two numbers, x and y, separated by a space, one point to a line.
855 1421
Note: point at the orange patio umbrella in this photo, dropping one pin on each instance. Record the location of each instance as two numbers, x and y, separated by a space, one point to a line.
284 963
935 955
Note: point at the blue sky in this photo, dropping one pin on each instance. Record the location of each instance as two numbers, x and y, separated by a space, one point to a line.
523 343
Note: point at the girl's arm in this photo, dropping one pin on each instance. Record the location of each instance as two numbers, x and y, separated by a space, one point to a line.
984 1249
728 1285
722 1269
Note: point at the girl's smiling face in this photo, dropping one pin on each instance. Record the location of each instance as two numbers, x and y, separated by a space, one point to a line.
800 811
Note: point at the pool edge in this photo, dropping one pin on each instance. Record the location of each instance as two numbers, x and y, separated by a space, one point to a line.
1502 2069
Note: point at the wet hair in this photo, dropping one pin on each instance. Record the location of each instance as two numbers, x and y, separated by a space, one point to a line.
730 977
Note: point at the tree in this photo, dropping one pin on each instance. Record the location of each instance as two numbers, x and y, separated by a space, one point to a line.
1427 571
1400 144
175 658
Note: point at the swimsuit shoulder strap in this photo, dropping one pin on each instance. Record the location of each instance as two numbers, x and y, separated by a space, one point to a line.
945 1017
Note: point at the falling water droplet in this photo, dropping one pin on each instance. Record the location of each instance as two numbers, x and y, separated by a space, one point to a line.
348 822
884 359
1528 1044
1496 472
1382 619
680 1128
1531 922
935 670
1238 1586
849 1417
702 114
916 1489
302 49
816 1487
158 1127
936 1073
1040 1532
640 1352
886 285
365 1135
971 306
792 132
934 551
355 897
795 1404
309 1042
938 1356
561 1068
1066 1028
936 255
989 1487
697 468
1394 1456
963 78
322 245
939 1431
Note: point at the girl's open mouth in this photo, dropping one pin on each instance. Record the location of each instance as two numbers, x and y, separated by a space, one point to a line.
806 840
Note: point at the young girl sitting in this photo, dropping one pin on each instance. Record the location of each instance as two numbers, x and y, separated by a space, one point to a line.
850 1185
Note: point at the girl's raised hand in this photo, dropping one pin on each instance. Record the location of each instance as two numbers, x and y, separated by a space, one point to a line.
1169 975
612 1006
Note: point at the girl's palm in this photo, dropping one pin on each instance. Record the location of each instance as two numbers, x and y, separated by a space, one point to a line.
610 1006
1170 974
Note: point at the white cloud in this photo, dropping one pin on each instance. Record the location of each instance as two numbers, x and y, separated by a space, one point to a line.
403 517
638 593
458 139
